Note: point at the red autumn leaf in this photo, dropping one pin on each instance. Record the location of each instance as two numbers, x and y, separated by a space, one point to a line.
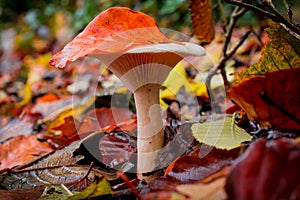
22 194
191 167
272 100
104 119
202 18
64 133
267 170
117 148
21 149
108 34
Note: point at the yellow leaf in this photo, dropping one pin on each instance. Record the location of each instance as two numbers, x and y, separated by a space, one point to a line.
223 134
27 95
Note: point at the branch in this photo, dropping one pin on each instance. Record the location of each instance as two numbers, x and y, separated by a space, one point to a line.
222 62
237 13
273 14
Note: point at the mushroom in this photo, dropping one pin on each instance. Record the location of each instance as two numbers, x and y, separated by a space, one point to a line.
141 56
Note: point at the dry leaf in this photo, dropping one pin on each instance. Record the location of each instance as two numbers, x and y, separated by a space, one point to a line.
108 34
59 167
194 167
202 19
201 191
272 100
267 170
14 128
282 52
22 149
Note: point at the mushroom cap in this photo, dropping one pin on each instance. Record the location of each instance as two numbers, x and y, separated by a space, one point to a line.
117 31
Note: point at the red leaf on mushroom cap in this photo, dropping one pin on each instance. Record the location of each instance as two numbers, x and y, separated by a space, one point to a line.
110 34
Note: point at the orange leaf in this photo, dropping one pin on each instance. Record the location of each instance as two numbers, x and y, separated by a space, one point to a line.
113 31
202 19
64 133
47 98
272 100
21 149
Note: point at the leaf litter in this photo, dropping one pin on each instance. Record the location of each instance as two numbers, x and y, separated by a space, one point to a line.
70 163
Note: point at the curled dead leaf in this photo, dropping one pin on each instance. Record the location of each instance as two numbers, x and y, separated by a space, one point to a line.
202 19
272 100
21 149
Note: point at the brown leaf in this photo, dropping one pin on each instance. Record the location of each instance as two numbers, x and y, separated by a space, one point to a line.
164 195
202 19
14 128
64 133
267 170
117 148
21 149
103 118
272 100
21 194
208 191
189 168
58 167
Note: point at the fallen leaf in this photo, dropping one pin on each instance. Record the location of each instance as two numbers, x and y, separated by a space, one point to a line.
58 167
117 148
26 93
271 100
102 118
267 170
201 191
200 164
97 188
164 195
281 52
223 134
108 34
47 98
21 149
21 194
54 192
14 128
64 133
202 20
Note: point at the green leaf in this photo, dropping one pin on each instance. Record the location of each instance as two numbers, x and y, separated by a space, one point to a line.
97 188
282 52
222 134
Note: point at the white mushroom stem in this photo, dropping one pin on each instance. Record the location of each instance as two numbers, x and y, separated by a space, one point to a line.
150 127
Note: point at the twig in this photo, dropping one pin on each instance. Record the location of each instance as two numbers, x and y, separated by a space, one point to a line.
273 14
88 172
129 184
237 13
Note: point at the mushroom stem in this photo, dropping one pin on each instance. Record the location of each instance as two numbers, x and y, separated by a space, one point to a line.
150 133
